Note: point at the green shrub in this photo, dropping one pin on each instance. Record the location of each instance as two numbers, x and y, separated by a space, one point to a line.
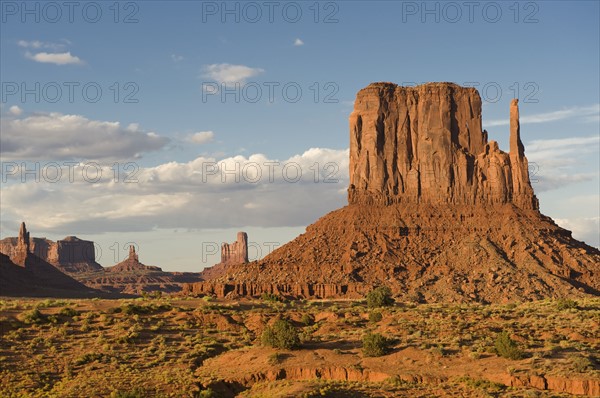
565 304
507 347
375 317
281 335
307 319
89 357
32 316
68 311
135 393
374 345
380 297
270 297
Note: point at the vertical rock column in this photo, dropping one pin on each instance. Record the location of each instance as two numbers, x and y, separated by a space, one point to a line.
522 192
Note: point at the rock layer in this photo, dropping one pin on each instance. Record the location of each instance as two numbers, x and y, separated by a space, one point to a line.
436 212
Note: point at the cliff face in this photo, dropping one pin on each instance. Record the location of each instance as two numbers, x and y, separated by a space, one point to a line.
236 252
425 145
25 274
436 212
70 255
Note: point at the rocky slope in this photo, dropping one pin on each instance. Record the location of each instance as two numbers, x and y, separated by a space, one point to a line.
436 212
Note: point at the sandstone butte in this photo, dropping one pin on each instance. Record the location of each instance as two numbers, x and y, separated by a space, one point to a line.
435 211
25 274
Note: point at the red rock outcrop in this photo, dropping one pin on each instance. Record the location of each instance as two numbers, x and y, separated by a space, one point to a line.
425 145
26 275
436 212
231 253
70 255
131 263
236 252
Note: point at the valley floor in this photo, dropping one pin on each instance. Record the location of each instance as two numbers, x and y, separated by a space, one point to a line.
200 347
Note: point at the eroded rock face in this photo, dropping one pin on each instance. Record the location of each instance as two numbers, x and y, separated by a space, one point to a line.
425 144
236 252
131 263
70 255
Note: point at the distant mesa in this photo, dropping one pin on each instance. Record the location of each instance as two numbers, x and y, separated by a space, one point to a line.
435 211
70 264
70 255
25 274
132 263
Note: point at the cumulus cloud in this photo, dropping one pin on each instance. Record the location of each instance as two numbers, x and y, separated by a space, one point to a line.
15 110
177 58
230 74
55 58
585 113
57 136
298 42
203 193
201 137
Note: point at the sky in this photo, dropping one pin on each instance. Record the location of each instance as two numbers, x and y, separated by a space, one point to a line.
172 125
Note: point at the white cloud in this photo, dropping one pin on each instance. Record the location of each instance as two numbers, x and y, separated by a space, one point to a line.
15 110
55 58
201 137
177 58
586 113
230 74
58 136
552 162
298 42
203 193
584 229
36 44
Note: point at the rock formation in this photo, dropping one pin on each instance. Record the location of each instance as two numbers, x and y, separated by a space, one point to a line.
70 255
236 252
425 145
436 212
131 263
24 274
231 253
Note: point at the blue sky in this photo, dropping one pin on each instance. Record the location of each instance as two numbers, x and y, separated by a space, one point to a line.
170 54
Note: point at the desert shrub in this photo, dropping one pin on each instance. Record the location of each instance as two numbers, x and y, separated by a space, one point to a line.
270 297
507 347
375 316
207 394
565 304
68 311
32 316
135 393
275 358
374 345
380 297
307 319
281 335
581 364
89 357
